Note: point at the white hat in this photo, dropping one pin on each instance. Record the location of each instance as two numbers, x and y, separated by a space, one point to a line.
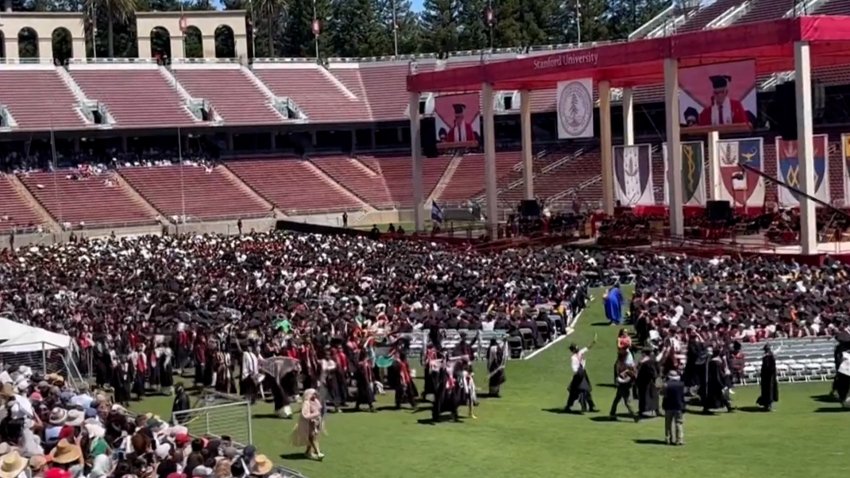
163 450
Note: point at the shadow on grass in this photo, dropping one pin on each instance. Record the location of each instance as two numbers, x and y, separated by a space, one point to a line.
824 398
601 324
269 415
837 409
605 385
294 456
559 411
431 421
649 441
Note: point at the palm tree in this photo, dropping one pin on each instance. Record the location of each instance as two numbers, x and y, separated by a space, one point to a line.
117 11
272 10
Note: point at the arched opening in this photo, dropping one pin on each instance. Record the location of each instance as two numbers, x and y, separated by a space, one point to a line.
62 46
225 42
193 42
2 45
27 43
161 44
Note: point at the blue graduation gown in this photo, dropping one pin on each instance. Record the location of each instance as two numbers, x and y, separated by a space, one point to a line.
613 305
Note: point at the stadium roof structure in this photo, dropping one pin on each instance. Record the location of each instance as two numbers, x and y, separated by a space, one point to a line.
798 44
641 62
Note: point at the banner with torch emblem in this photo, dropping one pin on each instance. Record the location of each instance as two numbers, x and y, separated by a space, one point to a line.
693 174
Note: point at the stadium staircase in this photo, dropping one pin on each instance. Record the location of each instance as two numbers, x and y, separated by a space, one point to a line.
833 7
36 98
21 208
358 178
192 105
444 181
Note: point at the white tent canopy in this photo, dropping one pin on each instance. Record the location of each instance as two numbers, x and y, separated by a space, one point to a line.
16 337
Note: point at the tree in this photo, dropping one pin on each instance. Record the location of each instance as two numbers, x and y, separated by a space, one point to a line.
440 26
114 12
298 39
536 18
626 16
267 17
474 30
592 26
356 29
406 23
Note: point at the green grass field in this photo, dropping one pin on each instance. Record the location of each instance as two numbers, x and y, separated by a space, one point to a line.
524 434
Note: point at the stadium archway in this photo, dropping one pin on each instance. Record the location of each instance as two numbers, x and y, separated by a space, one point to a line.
42 25
193 42
160 42
27 43
2 45
225 43
62 43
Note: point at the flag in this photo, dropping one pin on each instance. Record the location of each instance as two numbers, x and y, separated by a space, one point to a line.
436 213
184 24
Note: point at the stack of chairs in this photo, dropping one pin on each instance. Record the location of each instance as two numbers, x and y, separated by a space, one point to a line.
797 360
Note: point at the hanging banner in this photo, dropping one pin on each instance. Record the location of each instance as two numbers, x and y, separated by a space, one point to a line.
718 94
633 175
788 170
742 188
693 174
575 108
845 161
457 120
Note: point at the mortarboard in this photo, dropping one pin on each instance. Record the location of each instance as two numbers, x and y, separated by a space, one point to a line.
720 81
459 107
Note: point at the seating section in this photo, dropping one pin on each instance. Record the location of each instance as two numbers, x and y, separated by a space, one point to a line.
232 93
705 15
386 88
834 7
358 178
397 172
797 360
92 202
468 179
38 99
153 100
206 193
294 186
314 91
15 212
566 176
763 10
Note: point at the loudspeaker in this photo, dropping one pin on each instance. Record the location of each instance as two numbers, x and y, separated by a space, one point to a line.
718 210
428 139
529 208
784 111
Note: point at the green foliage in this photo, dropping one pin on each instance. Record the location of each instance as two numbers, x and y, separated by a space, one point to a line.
357 29
407 22
440 26
474 32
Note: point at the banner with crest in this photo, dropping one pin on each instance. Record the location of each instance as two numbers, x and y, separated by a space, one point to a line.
693 174
788 170
633 175
845 161
741 187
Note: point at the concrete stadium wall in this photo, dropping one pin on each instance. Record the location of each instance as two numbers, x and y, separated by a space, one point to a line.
44 24
206 22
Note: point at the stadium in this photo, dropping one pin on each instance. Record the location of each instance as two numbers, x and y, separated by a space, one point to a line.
194 245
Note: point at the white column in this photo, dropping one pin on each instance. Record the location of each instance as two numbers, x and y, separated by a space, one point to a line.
606 144
714 164
674 146
805 147
490 159
416 156
527 149
628 117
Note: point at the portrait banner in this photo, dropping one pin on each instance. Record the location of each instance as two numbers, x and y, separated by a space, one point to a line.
718 94
845 162
575 108
633 175
693 174
741 187
788 170
457 120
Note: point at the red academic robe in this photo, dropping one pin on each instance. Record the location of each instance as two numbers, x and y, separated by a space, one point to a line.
470 134
739 114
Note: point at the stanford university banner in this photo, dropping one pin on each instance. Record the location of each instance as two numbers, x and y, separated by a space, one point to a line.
575 108
741 187
693 174
633 175
788 170
845 162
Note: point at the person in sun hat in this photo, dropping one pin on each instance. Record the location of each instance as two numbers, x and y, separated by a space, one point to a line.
68 456
37 465
262 466
75 418
12 465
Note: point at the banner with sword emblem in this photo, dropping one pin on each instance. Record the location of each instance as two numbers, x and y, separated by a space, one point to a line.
845 161
788 170
633 175
693 174
741 188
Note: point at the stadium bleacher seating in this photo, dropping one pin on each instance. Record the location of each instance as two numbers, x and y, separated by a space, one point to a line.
15 212
206 193
763 10
468 178
240 102
397 172
38 98
153 102
706 14
385 85
95 201
294 186
834 7
360 179
797 360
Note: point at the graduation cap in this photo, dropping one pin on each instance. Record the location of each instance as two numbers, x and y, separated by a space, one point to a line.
720 81
459 108
691 112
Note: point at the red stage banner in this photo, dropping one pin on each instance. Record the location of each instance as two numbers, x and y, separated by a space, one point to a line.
458 122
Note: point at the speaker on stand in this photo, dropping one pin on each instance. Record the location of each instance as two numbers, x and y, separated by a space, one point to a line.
428 132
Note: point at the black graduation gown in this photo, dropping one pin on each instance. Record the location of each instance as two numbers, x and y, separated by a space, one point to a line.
712 384
693 370
365 389
769 382
165 362
181 403
448 394
495 366
647 374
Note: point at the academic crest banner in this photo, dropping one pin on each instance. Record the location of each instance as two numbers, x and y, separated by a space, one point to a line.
845 161
693 174
742 188
575 108
633 175
788 170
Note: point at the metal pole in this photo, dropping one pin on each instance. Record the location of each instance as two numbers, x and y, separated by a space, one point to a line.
578 21
250 425
316 35
182 190
94 30
395 30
